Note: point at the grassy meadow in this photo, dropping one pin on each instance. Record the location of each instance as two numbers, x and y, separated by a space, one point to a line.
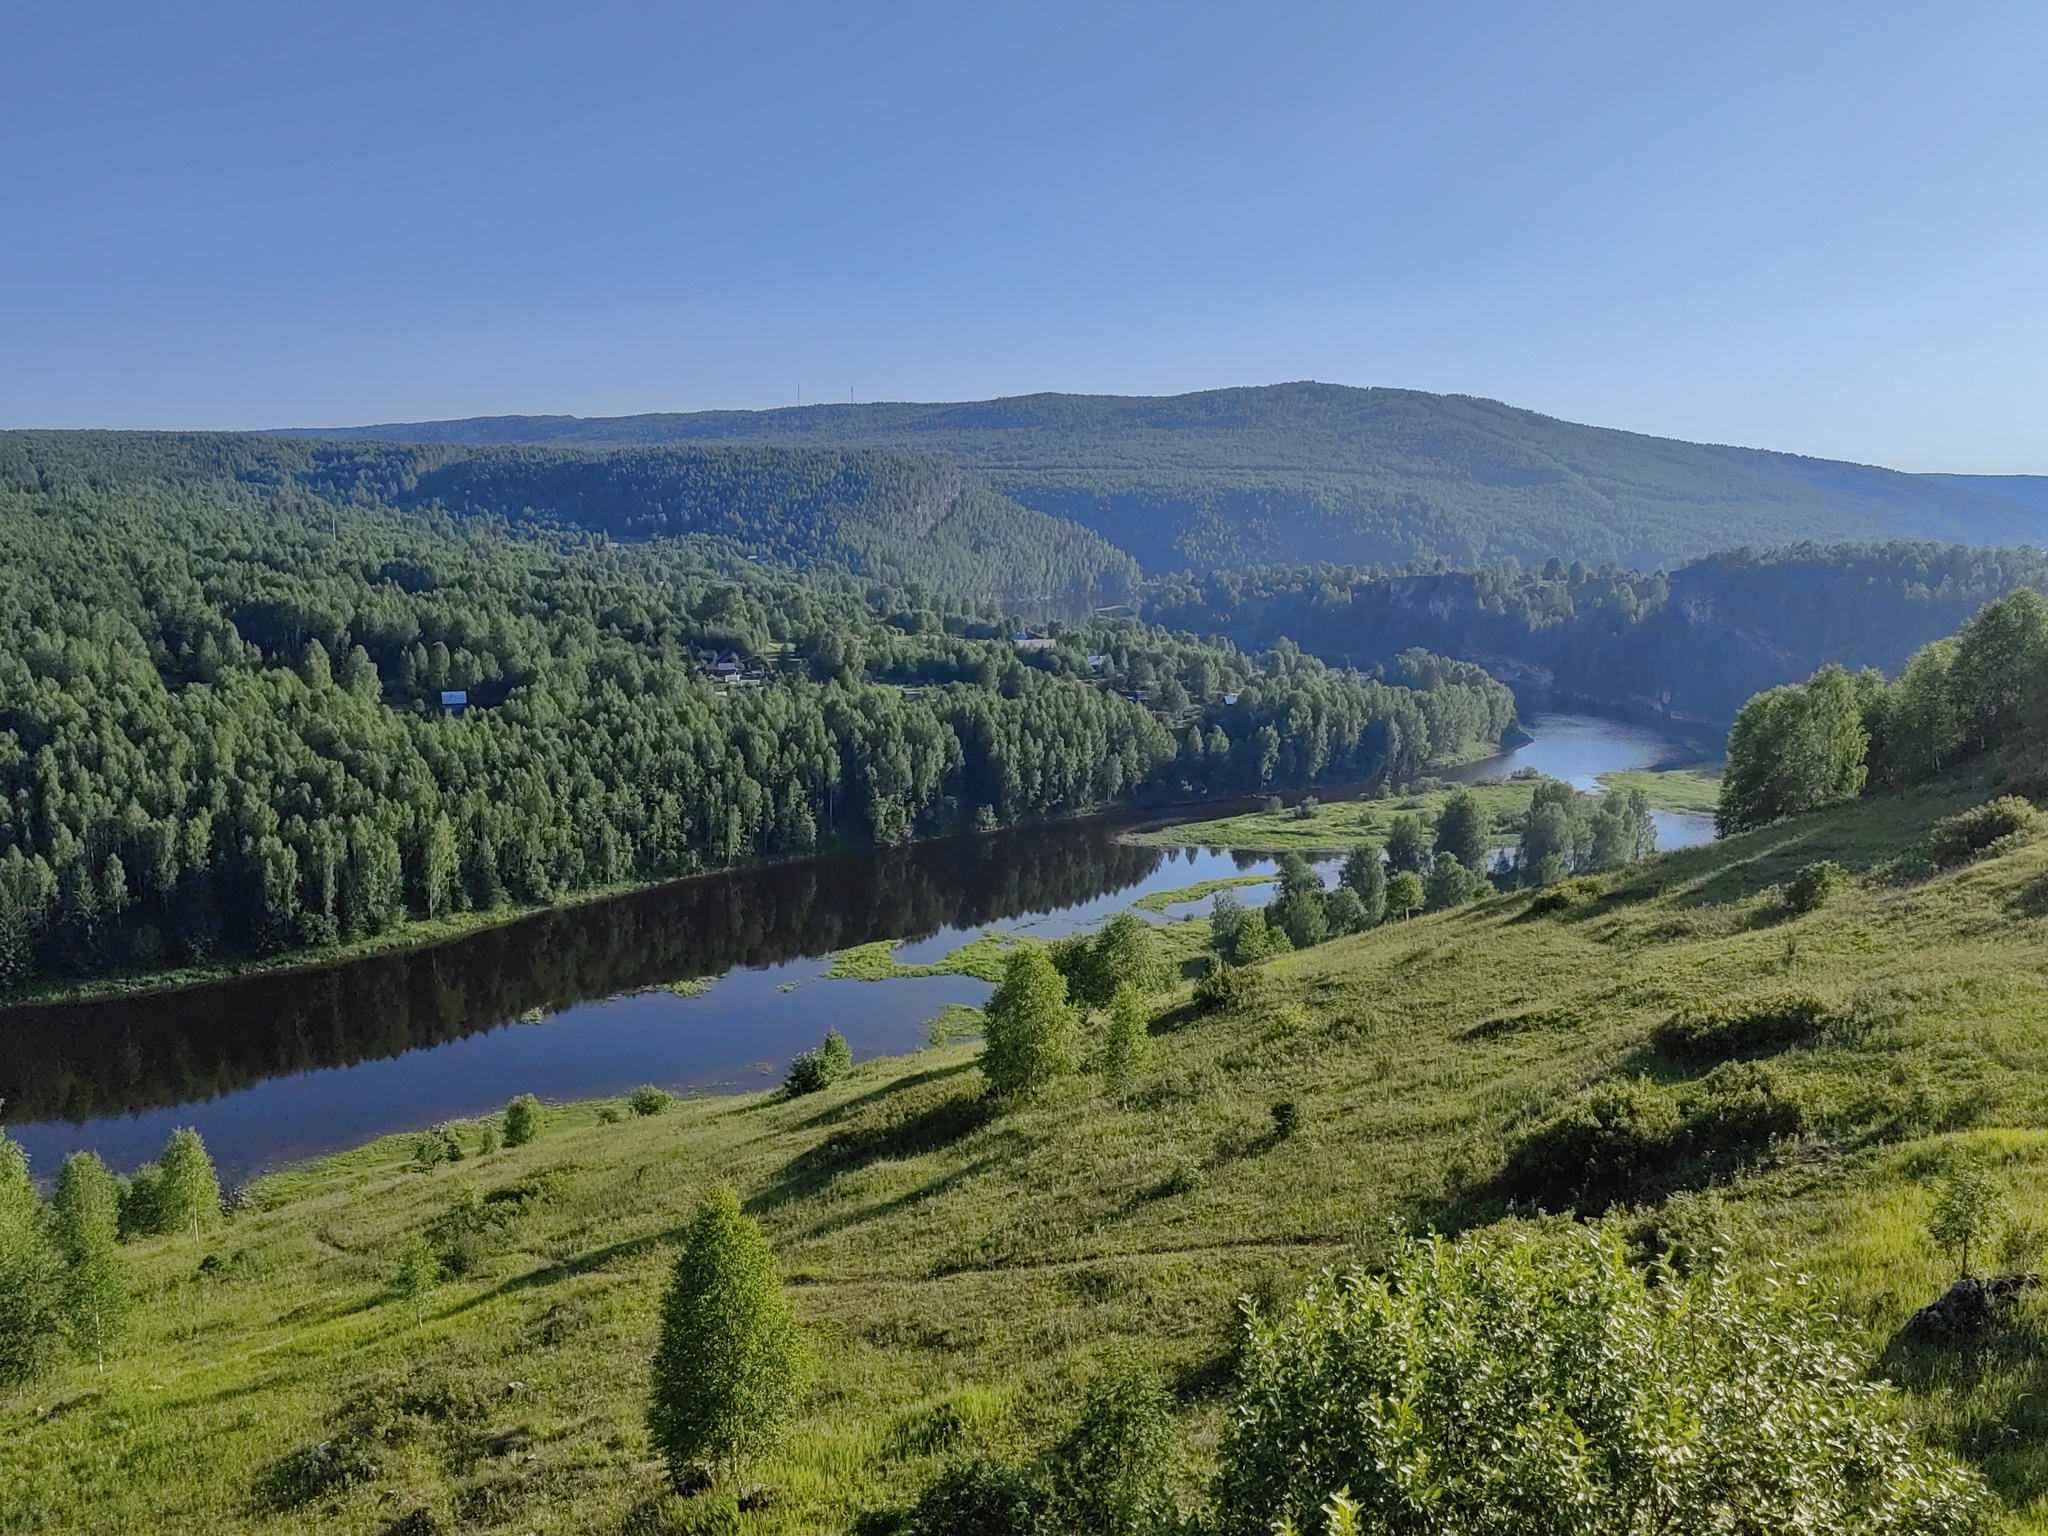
962 1272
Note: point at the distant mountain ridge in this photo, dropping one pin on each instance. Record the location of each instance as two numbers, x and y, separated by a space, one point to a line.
1309 471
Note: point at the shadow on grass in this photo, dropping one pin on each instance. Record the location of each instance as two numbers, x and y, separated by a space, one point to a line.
837 1113
1986 1396
940 1125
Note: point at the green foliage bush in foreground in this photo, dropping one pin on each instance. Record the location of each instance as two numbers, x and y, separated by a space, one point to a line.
1533 1381
732 1363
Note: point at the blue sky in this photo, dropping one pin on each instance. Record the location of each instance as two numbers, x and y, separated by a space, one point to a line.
1821 228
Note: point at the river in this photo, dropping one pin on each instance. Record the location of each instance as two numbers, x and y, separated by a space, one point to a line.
583 1001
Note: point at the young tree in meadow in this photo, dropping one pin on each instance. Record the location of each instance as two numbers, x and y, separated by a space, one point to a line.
731 1364
1032 1033
415 1275
1969 1208
1405 894
1407 844
86 1223
1300 915
1464 831
1450 884
1365 873
30 1295
188 1189
1126 1042
1127 952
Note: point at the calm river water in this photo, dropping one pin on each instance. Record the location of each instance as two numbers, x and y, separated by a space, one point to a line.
578 1003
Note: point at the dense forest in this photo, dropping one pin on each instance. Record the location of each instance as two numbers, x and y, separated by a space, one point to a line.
222 725
1981 692
1694 644
1308 471
887 516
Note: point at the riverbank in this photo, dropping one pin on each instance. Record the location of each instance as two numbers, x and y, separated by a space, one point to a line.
427 933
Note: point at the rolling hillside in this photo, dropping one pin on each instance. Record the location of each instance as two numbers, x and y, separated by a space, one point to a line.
1322 472
887 515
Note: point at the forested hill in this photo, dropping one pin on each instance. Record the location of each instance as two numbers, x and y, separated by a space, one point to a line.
1311 471
887 515
223 727
1695 644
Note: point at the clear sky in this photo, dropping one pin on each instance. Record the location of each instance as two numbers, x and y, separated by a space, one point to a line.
1814 227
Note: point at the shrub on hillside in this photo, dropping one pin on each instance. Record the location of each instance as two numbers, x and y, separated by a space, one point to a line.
1631 1139
1126 951
1756 1026
1814 886
1223 987
812 1070
1960 838
1525 1380
1608 1143
649 1100
30 1285
522 1120
1111 1474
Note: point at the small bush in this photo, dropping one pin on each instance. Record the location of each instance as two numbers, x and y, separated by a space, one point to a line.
1814 886
810 1071
1630 1139
523 1118
1286 1118
1224 987
1960 838
1110 1475
429 1151
807 1074
315 1471
1756 1026
649 1100
978 1497
1601 1148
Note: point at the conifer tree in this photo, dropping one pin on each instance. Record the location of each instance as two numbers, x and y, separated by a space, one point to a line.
86 1222
731 1364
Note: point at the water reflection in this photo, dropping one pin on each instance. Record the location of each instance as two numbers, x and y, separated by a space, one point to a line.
577 1002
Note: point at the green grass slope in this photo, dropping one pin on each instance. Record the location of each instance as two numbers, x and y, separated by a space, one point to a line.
963 1271
1306 471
